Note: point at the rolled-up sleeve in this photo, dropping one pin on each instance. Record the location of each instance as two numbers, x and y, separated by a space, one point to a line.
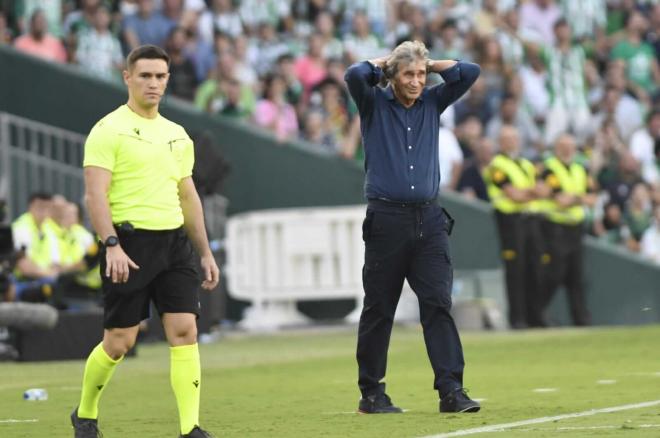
361 79
458 79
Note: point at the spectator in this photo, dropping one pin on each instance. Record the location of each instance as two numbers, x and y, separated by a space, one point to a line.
199 51
183 78
173 11
269 48
622 109
511 113
653 35
450 157
650 244
468 133
221 17
642 144
374 11
494 72
210 95
39 42
99 51
5 31
258 12
147 26
311 68
330 99
286 68
325 26
244 69
32 234
507 36
537 21
641 64
476 103
315 131
486 18
52 10
622 179
274 113
611 228
587 18
80 20
569 110
450 45
638 214
231 105
361 43
471 182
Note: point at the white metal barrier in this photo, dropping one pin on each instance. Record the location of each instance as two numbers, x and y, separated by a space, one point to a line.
278 257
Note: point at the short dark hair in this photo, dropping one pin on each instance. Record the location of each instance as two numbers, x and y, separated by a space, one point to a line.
39 196
147 51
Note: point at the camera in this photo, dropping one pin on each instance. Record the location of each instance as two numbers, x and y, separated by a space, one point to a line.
8 256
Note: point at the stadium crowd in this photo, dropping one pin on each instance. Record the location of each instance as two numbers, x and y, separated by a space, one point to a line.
586 67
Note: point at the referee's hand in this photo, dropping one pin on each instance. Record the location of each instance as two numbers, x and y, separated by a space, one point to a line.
118 264
211 272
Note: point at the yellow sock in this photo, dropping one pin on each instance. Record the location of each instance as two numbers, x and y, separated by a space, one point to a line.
185 376
98 371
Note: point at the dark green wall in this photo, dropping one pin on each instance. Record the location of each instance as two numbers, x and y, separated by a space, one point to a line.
621 288
263 175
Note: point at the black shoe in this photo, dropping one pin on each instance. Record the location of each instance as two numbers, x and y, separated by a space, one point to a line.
458 401
197 432
378 404
84 427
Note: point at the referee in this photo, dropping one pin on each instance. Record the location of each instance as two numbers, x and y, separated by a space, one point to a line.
146 211
405 231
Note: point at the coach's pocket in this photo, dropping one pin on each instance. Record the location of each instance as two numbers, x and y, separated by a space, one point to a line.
367 224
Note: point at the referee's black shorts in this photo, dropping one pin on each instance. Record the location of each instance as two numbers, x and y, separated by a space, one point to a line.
168 276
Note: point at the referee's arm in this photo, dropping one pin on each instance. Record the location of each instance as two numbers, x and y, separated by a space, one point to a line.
193 223
97 184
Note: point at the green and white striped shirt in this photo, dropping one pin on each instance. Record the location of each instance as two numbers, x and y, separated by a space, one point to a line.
584 16
566 81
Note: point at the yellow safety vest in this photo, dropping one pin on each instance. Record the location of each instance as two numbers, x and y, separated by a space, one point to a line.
522 175
43 240
92 276
573 180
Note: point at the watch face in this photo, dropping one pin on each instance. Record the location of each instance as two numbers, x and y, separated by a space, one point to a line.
111 241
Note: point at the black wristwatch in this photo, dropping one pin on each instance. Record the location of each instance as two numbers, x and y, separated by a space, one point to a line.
111 241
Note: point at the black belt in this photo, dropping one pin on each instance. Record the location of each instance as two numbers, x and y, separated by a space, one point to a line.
401 204
127 229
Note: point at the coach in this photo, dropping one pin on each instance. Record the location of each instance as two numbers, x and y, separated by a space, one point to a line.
405 231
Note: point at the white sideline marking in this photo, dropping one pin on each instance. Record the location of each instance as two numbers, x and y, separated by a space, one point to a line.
13 420
544 389
480 399
606 382
504 426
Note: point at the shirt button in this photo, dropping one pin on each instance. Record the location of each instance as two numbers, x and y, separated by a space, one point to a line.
411 166
409 147
408 128
412 187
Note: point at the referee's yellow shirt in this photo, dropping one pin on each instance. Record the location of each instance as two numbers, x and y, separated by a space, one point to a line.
147 158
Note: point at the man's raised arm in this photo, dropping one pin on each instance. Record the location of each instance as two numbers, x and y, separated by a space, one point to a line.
361 78
458 76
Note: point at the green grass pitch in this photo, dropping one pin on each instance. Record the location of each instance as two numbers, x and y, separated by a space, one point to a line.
303 385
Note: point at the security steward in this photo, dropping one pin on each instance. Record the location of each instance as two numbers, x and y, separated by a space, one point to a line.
405 231
563 230
513 190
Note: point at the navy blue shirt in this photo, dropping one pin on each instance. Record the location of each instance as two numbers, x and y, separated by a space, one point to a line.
401 144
